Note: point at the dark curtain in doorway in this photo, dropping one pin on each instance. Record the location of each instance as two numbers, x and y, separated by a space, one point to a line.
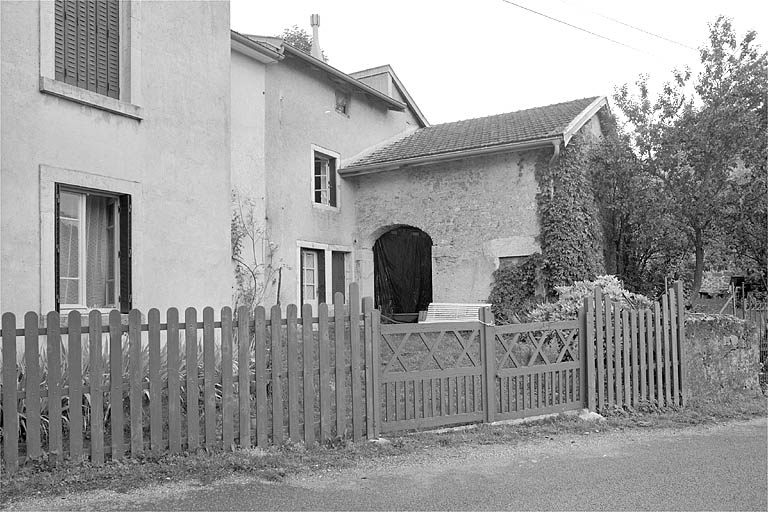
403 271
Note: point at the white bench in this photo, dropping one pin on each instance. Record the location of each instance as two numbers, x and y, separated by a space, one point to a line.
451 312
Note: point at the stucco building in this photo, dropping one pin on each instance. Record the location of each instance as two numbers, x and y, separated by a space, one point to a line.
115 155
353 184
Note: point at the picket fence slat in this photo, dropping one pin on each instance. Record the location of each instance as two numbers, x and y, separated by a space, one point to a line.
339 364
666 348
55 447
135 382
96 391
673 342
260 375
10 399
618 338
192 369
227 390
32 399
155 386
634 356
368 349
325 372
277 365
292 353
244 376
173 359
74 355
354 340
681 342
209 379
308 404
626 342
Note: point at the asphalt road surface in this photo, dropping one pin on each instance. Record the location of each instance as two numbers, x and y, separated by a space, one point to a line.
722 467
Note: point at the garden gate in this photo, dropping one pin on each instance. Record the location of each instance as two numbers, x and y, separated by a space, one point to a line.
449 373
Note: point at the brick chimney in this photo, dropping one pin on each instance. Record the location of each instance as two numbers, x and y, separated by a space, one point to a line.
314 20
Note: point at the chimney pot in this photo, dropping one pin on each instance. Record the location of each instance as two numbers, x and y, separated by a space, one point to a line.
314 20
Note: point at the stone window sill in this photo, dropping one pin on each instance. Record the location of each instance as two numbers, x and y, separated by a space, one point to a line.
85 97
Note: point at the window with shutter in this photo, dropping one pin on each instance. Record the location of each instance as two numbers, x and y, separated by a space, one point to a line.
324 180
87 43
92 249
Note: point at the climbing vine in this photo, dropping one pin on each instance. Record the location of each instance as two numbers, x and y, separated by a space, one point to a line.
570 236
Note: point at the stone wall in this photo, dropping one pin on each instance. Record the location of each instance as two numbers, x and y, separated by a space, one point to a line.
722 353
475 210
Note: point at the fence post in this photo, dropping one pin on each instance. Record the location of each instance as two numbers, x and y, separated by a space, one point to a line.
488 354
681 341
376 370
583 354
370 403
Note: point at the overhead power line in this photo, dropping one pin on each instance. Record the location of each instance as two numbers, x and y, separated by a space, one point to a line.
579 28
634 27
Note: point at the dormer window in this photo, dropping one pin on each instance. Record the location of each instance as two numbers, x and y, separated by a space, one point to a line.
343 100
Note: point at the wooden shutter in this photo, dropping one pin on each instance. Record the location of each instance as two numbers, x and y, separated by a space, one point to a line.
113 48
125 255
59 38
87 40
56 272
321 277
338 273
332 181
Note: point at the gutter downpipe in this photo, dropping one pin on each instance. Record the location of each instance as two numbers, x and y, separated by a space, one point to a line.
556 155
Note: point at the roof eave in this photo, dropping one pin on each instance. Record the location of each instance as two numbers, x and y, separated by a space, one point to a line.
250 48
580 120
391 103
444 157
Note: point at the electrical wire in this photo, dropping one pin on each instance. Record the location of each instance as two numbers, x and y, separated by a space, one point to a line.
579 28
633 27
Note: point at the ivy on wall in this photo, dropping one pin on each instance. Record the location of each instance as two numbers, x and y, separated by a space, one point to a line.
570 234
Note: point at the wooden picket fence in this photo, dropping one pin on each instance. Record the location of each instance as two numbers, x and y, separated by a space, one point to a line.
139 385
636 355
125 388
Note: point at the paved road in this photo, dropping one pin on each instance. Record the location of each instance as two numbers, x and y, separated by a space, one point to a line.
720 467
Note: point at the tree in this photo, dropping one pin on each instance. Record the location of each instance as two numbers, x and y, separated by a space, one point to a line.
694 145
299 39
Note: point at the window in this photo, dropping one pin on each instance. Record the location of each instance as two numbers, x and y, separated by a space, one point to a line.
325 180
87 42
93 254
343 100
315 275
511 261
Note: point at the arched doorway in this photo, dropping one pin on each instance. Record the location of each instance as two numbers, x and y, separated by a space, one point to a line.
402 272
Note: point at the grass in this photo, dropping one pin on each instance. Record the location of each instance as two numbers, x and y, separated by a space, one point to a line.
41 480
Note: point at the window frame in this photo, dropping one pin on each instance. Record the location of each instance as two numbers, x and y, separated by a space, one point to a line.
334 188
347 102
327 273
49 178
82 249
129 102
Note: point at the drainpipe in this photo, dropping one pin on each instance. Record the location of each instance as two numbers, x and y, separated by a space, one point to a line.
555 157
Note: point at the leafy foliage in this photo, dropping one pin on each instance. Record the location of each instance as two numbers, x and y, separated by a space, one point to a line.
570 236
693 147
571 298
514 289
299 39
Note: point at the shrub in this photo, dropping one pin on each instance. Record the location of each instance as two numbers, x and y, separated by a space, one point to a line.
570 299
514 290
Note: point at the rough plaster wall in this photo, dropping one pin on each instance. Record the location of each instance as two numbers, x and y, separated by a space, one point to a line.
475 210
722 354
179 154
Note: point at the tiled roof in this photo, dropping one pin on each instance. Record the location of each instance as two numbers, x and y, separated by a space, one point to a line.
484 132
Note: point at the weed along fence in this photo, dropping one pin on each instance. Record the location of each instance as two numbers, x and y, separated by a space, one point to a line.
82 387
146 386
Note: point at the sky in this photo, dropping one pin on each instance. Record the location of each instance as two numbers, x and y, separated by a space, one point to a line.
467 59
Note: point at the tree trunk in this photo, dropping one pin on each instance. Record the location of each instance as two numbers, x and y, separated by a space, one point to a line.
699 268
